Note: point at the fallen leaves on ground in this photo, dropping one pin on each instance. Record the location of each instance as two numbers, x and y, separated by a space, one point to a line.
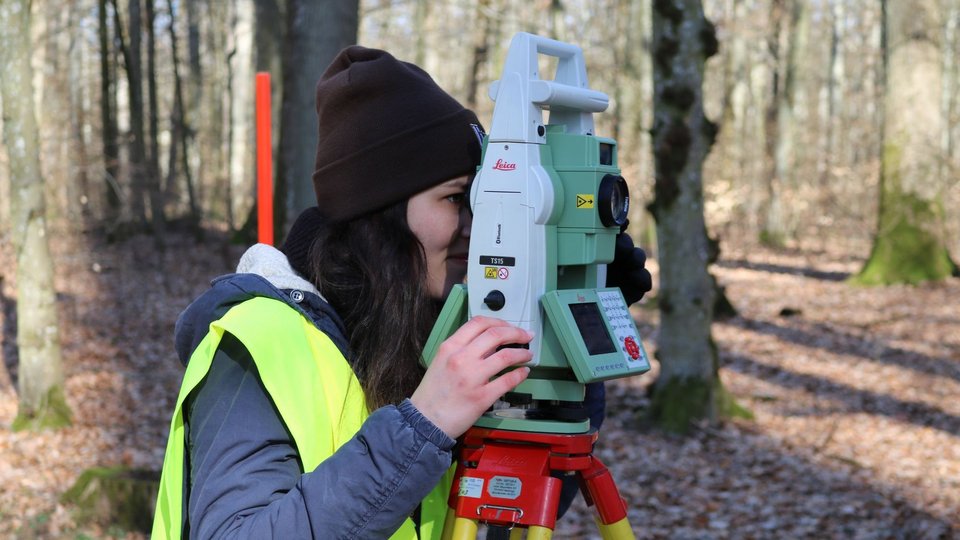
854 392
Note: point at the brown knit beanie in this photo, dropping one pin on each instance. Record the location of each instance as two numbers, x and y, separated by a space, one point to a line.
386 132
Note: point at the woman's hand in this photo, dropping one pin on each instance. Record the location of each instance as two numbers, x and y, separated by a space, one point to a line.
459 385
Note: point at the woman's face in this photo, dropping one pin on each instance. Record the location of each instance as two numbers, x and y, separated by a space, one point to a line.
440 219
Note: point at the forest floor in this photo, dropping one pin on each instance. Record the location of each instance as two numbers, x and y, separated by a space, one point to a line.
855 394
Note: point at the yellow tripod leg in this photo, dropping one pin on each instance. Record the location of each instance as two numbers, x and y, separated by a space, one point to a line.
516 534
619 530
464 529
448 524
539 533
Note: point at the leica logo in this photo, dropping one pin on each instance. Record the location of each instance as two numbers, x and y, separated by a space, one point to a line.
512 461
504 166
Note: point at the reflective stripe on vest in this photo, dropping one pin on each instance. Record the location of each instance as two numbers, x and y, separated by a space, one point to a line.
274 333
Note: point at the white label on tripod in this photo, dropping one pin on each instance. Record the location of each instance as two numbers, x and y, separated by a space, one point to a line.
505 487
471 487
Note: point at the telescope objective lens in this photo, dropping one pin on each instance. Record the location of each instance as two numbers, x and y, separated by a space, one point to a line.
614 201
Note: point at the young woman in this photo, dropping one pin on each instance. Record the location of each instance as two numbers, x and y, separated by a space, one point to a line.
304 411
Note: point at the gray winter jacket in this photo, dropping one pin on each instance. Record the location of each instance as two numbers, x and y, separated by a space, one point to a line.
245 477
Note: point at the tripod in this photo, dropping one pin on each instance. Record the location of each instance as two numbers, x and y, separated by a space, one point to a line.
503 479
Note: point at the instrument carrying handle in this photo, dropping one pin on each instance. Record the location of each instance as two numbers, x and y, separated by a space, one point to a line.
521 95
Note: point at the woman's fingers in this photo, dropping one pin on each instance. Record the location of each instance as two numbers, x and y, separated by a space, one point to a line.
503 359
461 383
507 382
492 339
473 329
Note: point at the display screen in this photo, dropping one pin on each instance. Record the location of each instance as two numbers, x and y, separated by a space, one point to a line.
592 330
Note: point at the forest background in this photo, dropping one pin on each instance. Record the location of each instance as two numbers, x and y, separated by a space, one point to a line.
145 172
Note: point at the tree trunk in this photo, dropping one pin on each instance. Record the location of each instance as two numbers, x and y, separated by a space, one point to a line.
556 29
270 41
951 87
775 227
316 32
909 246
195 161
241 153
755 132
948 98
40 377
736 132
689 386
111 154
213 177
153 112
80 207
157 217
833 150
421 18
180 130
630 111
641 222
480 52
51 22
771 208
138 154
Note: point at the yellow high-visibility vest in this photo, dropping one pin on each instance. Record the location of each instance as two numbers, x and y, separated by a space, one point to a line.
314 389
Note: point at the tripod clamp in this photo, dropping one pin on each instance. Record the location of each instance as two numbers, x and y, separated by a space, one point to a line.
517 510
504 479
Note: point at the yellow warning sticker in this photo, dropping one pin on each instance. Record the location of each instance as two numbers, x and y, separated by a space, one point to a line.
584 200
490 272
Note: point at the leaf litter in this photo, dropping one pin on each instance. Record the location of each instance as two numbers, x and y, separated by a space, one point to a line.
855 394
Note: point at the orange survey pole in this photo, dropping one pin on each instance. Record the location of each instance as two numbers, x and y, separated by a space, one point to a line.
264 162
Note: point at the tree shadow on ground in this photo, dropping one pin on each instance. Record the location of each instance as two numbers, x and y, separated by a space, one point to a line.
854 399
739 482
783 269
839 341
117 311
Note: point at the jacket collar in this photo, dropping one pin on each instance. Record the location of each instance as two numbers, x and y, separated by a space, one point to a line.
271 264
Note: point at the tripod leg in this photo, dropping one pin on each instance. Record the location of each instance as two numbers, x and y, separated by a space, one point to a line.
516 534
539 533
464 529
602 491
448 524
620 530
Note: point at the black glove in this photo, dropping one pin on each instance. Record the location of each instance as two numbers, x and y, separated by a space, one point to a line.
627 270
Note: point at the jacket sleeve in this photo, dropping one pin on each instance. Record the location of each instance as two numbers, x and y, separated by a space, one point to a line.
245 473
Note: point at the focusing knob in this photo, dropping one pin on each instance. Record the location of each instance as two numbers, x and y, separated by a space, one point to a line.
495 300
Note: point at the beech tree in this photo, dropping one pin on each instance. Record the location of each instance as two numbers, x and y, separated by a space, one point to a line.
40 379
909 246
689 386
785 102
316 31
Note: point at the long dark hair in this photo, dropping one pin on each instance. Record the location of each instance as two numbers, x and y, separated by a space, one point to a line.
373 271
